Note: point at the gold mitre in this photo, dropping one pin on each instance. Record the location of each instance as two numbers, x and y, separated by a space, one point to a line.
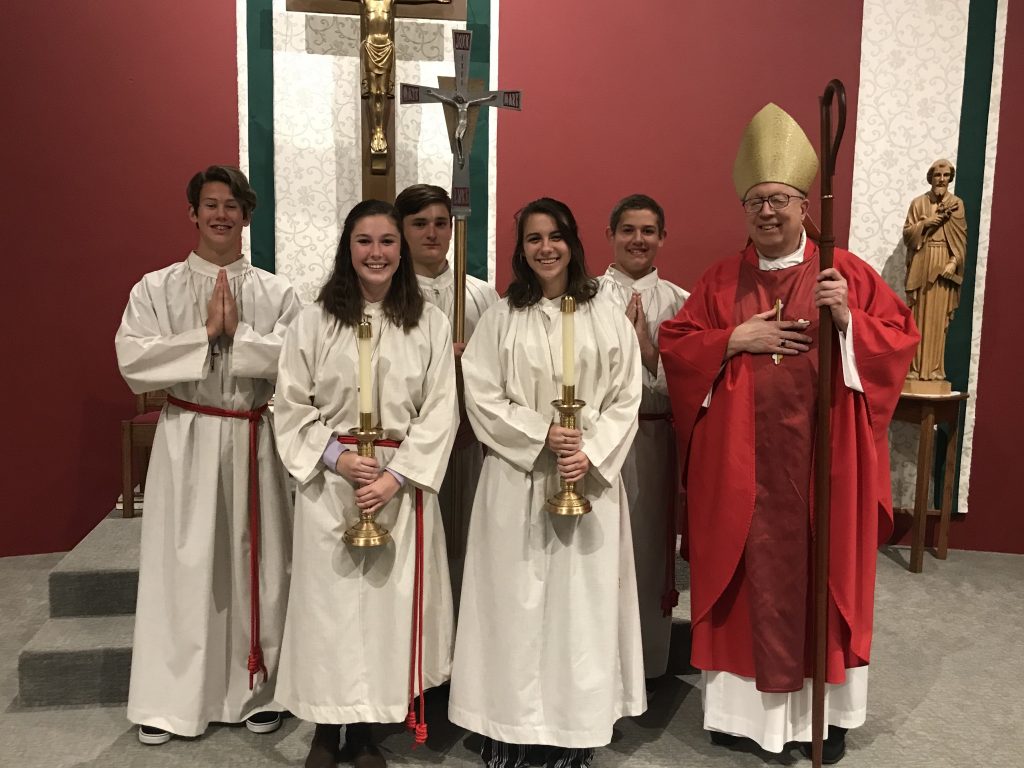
774 148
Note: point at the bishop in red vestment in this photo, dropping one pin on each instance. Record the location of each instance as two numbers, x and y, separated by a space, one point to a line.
743 390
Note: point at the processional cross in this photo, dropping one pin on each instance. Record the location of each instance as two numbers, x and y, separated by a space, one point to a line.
377 60
462 99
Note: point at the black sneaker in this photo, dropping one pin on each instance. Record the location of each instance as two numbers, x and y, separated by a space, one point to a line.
832 749
263 722
153 736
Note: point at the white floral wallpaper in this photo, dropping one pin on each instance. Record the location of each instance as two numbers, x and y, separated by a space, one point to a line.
317 154
908 114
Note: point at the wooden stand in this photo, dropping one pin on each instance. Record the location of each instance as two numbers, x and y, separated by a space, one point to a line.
926 411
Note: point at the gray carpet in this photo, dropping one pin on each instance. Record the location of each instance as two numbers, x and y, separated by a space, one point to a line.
946 690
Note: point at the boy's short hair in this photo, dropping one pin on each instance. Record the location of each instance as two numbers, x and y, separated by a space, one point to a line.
226 174
637 203
417 197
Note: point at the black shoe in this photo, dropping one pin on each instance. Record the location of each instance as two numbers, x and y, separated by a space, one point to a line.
360 748
722 739
651 686
153 736
832 749
263 722
323 751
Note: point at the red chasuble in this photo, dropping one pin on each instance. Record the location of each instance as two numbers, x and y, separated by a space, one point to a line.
748 467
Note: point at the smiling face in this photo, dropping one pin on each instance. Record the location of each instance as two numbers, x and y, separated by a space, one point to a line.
547 253
429 233
776 233
376 249
220 221
635 242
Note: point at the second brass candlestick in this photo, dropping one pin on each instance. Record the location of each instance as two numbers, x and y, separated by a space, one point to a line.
367 532
567 502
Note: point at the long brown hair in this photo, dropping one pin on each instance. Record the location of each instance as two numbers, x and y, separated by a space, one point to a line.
524 290
341 295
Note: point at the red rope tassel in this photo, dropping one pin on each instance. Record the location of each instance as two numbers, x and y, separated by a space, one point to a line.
255 663
417 724
421 728
414 721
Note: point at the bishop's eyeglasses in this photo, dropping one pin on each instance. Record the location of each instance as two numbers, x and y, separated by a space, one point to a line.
776 202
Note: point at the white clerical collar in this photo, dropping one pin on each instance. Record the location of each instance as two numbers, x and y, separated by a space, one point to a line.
784 262
647 281
198 264
443 280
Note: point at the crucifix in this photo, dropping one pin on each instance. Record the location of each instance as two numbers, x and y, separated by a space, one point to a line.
462 98
377 64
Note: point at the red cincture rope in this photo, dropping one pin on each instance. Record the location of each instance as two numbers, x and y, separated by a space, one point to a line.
415 723
255 664
669 595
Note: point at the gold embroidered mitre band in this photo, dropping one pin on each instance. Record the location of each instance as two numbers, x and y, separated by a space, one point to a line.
774 148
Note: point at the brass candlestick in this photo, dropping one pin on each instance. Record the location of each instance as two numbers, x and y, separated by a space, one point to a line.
568 502
367 532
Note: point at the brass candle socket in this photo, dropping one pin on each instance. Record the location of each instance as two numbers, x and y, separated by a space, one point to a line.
567 502
367 532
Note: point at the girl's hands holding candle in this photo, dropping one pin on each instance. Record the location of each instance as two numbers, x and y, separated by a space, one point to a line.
358 470
573 466
371 498
563 441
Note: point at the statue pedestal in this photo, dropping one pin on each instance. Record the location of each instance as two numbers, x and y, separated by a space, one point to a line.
926 411
922 387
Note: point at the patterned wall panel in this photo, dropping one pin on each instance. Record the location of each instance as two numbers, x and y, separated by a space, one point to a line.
316 124
911 88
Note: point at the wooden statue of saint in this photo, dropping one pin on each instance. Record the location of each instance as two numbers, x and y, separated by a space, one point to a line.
936 239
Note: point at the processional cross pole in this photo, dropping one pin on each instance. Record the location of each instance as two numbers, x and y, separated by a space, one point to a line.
462 99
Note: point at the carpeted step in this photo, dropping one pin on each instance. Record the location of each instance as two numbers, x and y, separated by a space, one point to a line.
99 577
83 660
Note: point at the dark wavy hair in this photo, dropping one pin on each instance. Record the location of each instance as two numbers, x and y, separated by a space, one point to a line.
341 295
225 174
525 290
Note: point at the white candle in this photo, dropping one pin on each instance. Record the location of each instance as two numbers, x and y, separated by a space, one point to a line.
365 384
568 342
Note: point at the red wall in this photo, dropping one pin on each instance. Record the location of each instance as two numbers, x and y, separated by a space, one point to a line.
114 104
994 521
656 103
111 105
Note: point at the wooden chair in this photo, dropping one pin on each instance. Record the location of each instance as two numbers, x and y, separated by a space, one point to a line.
137 435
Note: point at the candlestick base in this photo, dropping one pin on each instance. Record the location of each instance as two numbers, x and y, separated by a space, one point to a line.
567 502
367 532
